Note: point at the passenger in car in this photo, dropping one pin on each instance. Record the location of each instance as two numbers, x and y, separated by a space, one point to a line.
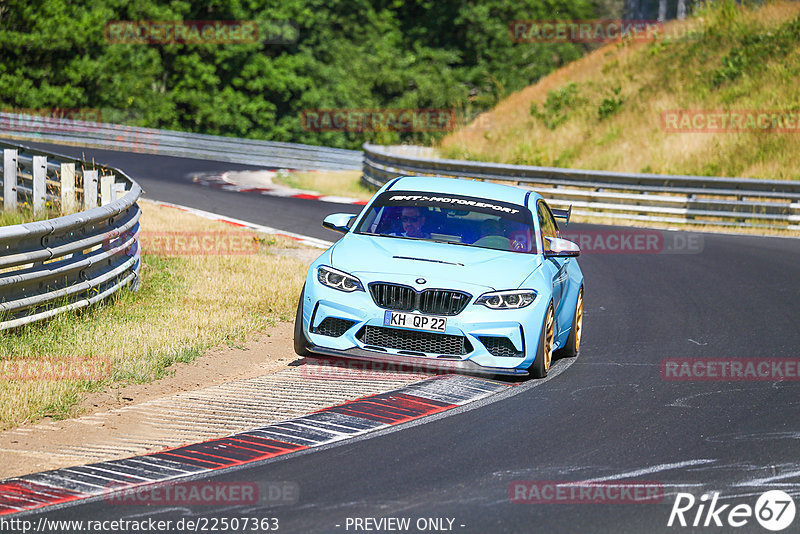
491 235
491 227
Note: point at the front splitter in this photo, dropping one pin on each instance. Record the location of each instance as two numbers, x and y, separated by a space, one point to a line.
416 363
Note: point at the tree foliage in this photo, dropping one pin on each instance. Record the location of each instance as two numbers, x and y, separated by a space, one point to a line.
367 54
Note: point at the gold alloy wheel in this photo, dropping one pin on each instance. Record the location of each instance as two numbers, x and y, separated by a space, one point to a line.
578 321
548 339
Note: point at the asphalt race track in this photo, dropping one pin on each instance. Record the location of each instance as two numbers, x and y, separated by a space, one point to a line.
608 417
169 179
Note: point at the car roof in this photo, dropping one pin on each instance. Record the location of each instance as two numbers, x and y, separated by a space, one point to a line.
462 186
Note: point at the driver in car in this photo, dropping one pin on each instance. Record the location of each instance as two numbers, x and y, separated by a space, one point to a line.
413 220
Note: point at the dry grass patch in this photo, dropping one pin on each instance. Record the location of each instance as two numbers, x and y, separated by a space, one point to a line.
186 304
24 214
604 110
333 183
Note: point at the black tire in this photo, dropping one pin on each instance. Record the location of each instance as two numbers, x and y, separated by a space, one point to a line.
544 352
300 341
573 345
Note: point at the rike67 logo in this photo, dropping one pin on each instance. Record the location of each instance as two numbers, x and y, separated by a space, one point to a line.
774 510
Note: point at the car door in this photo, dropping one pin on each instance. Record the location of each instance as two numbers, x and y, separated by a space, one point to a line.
557 267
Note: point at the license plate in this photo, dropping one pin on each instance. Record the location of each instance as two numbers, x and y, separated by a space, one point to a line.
417 321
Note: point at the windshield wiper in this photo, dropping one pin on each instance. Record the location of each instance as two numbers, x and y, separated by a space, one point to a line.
451 242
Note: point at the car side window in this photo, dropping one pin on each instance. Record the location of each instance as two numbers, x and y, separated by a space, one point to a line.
547 225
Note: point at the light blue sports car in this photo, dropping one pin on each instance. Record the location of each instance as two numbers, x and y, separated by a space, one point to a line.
446 274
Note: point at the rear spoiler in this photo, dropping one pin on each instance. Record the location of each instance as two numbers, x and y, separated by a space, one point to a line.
562 214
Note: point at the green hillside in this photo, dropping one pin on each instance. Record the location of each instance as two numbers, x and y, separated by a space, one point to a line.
637 106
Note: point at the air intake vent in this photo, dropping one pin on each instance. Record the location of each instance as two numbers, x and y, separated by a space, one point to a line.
413 341
333 326
500 346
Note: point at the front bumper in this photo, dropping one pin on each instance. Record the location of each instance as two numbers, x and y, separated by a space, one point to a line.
416 364
521 328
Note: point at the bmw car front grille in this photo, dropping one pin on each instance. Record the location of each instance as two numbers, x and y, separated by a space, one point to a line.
412 341
432 301
393 296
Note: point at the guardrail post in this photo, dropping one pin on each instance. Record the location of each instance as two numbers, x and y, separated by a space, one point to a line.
37 292
39 177
89 189
106 188
68 204
9 180
118 191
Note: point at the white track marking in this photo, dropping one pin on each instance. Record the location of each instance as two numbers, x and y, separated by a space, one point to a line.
652 469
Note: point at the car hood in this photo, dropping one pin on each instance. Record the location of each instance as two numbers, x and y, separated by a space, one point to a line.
441 264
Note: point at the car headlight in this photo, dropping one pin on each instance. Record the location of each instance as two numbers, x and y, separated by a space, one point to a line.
507 300
335 279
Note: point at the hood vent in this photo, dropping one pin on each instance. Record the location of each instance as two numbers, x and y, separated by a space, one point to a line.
425 259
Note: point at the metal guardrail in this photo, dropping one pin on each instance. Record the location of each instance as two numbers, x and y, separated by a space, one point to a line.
52 266
180 144
616 195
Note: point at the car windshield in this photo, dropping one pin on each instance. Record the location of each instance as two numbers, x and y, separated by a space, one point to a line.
447 218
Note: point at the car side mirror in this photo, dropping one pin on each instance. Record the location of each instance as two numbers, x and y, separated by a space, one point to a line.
339 222
562 248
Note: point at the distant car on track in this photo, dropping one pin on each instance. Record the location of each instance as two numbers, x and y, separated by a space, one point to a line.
442 273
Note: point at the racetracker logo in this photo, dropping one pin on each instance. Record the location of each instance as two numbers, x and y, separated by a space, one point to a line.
198 243
583 31
205 494
43 121
584 492
185 243
337 369
730 121
774 510
22 117
624 241
730 369
200 32
378 120
69 368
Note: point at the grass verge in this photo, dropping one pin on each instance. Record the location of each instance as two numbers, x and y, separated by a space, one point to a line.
186 304
605 111
333 183
24 214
